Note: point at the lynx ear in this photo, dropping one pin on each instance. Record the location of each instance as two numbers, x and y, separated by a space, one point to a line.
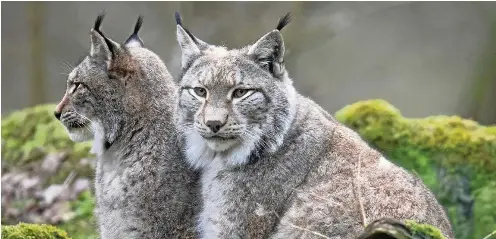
102 49
134 40
189 49
268 51
190 45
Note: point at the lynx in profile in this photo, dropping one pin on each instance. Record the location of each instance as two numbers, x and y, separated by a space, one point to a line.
275 164
122 97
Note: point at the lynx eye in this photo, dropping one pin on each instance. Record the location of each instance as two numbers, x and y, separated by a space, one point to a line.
239 93
198 92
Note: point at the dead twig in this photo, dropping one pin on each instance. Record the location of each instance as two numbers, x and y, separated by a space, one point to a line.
308 230
298 227
358 191
490 235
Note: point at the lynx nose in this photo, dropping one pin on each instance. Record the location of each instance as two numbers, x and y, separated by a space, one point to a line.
214 125
57 114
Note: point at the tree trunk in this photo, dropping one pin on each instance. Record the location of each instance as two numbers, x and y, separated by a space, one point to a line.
37 81
481 96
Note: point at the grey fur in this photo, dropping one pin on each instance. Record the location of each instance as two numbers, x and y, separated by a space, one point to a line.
290 170
125 103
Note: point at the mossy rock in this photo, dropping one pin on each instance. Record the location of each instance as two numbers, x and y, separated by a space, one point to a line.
32 231
463 142
387 228
424 145
424 230
30 134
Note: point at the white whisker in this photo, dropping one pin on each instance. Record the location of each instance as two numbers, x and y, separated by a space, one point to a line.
182 130
67 66
256 138
88 119
259 142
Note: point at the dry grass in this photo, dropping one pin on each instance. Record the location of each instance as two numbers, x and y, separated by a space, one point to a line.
308 230
490 235
358 192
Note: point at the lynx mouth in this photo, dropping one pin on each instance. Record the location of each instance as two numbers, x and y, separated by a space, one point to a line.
76 125
219 138
219 143
73 121
79 131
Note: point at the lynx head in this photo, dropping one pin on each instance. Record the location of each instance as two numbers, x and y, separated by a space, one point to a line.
107 87
234 103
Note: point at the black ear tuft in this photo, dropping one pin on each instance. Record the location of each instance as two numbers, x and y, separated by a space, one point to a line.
96 27
138 25
98 22
134 38
179 22
178 19
284 21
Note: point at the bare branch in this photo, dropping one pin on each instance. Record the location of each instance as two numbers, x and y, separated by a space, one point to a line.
308 230
358 191
490 235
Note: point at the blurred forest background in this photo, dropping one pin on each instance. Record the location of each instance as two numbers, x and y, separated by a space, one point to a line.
425 58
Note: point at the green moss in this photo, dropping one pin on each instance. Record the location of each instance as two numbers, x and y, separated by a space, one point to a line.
486 205
424 145
32 231
424 230
392 228
417 144
464 142
83 225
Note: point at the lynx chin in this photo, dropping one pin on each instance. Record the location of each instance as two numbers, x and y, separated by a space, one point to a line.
121 96
274 164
